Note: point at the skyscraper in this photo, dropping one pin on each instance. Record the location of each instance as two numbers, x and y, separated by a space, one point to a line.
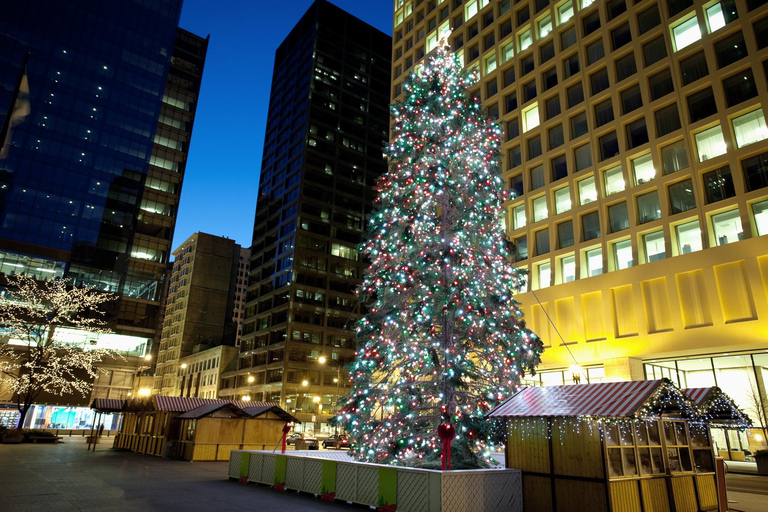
91 183
637 149
326 128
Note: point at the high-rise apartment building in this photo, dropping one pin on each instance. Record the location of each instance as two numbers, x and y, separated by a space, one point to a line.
637 148
326 129
200 304
93 175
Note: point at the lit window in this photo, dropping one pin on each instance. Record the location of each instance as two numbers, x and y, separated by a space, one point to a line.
643 169
431 42
565 11
654 246
686 33
444 30
727 227
622 254
408 9
568 268
586 3
587 191
490 62
594 259
507 51
531 117
614 180
710 143
715 17
750 128
688 237
562 200
539 208
545 26
399 18
518 216
471 9
760 212
524 39
544 273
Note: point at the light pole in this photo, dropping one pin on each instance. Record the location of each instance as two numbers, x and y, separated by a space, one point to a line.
337 380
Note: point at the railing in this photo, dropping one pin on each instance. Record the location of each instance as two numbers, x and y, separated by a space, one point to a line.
73 432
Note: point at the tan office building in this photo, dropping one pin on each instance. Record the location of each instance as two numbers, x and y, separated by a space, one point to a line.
636 143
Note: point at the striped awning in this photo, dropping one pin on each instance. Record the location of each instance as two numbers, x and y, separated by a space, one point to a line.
700 396
720 409
187 403
605 399
108 404
208 409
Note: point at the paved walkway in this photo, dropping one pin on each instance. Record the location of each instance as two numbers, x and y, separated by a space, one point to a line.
66 477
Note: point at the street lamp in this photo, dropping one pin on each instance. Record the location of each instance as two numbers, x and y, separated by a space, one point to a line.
247 398
250 379
576 372
337 380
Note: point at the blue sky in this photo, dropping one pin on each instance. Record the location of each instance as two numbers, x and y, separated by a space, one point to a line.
222 176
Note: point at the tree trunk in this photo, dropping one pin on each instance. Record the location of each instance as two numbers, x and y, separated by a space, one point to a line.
23 410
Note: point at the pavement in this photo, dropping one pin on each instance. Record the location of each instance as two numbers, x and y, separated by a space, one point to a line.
747 493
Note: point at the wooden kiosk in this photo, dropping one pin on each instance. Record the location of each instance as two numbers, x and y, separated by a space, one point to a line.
619 447
722 413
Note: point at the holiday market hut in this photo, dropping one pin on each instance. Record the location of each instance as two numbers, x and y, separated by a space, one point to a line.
721 412
618 446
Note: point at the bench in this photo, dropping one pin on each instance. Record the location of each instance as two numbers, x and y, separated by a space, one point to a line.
45 439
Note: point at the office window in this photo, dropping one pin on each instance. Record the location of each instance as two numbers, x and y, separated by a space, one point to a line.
556 138
727 227
559 168
667 120
579 125
654 51
540 209
516 185
524 39
594 261
509 76
648 208
534 147
702 104
544 274
718 184
527 66
507 51
631 99
518 216
614 8
654 246
609 145
674 157
761 32
686 33
599 81
720 14
710 143
568 268
565 11
648 19
760 215
755 171
625 67
730 49
549 78
618 217
523 15
643 169
553 107
571 65
514 157
587 190
693 68
531 117
546 51
595 52
688 237
739 87
603 112
510 101
575 95
470 9
660 84
537 177
490 65
637 133
591 22
681 197
620 36
590 226
521 248
542 242
545 26
568 38
491 88
562 200
583 157
493 111
565 234
529 91
513 129
613 179
622 254
678 6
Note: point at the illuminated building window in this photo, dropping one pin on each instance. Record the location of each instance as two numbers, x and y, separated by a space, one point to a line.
710 143
540 208
613 179
531 117
524 39
726 227
568 269
594 261
648 208
760 214
518 216
544 275
688 237
587 190
750 128
622 254
544 26
562 200
565 11
686 33
654 246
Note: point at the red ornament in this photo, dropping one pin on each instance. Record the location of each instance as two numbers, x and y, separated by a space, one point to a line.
446 433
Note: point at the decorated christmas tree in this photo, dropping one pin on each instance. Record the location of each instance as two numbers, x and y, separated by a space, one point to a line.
443 340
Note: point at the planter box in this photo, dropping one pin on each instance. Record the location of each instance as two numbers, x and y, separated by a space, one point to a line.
386 487
762 465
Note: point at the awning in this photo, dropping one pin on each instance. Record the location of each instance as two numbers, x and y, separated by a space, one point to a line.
717 408
255 411
108 405
208 409
187 403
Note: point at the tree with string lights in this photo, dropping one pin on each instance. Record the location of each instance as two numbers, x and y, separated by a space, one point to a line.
443 340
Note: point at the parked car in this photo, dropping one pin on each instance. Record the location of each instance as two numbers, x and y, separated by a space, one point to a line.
291 439
336 441
311 443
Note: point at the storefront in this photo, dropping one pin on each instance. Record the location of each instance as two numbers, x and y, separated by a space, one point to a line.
66 418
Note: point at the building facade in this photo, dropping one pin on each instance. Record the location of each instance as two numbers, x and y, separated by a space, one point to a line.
637 150
200 372
241 291
92 177
326 129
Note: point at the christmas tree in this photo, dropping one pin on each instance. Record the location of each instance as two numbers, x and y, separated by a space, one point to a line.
443 340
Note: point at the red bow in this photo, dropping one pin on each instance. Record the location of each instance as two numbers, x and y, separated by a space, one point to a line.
446 432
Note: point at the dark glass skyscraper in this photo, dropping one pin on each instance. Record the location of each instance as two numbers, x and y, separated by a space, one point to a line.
326 128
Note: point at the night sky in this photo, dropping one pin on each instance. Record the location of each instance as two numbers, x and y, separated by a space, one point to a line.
222 176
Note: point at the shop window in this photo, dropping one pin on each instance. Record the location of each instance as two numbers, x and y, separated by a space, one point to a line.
720 14
599 81
594 261
660 84
681 197
622 254
620 36
631 99
521 248
564 11
730 49
591 22
534 147
609 145
648 208
595 52
648 19
613 179
556 138
518 216
726 227
755 171
562 200
760 215
686 33
565 234
579 125
750 128
710 143
618 217
583 157
568 269
540 209
603 113
568 38
674 157
516 184
544 275
531 117
625 67
559 168
587 190
739 87
654 51
537 177
718 184
637 133
654 246
524 39
642 168
667 120
542 242
575 95
688 237
590 226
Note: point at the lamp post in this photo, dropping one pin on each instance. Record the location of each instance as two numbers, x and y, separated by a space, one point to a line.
337 380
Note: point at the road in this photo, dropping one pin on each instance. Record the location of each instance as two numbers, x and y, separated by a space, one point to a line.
747 493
